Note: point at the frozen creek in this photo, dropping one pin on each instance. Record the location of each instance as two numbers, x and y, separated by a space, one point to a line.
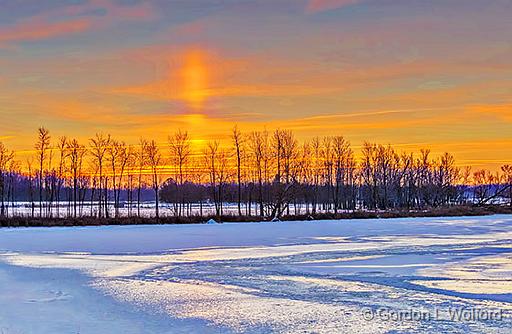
285 277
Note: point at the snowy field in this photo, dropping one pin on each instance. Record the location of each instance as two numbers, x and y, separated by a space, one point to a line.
410 275
147 209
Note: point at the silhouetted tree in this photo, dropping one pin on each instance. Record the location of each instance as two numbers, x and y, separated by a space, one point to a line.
507 179
76 153
179 145
98 147
142 160
42 145
154 159
238 141
6 157
274 171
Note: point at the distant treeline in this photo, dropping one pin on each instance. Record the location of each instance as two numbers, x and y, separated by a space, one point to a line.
266 174
447 211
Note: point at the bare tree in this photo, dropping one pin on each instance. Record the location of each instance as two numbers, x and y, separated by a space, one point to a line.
317 168
210 163
131 164
179 145
507 176
258 151
61 146
117 155
50 183
483 180
6 157
343 170
216 164
328 170
124 159
238 141
142 161
154 159
446 175
14 179
98 149
285 153
289 155
42 145
76 153
31 185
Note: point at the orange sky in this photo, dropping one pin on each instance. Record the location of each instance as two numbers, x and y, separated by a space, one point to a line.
409 73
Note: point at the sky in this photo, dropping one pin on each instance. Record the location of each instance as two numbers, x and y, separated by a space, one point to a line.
411 73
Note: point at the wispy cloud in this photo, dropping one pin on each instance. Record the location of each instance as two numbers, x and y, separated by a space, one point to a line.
315 6
375 113
502 111
73 19
33 30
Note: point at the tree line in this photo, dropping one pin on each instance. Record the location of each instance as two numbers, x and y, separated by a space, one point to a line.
259 173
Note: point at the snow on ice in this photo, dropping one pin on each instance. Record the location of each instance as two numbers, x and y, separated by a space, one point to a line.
312 276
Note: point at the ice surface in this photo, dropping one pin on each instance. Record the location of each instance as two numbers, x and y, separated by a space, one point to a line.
287 277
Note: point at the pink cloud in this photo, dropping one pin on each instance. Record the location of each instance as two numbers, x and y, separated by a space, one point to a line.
77 18
141 11
41 30
315 6
194 28
138 12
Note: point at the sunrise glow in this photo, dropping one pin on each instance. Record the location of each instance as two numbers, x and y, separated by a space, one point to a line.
255 166
391 73
194 78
